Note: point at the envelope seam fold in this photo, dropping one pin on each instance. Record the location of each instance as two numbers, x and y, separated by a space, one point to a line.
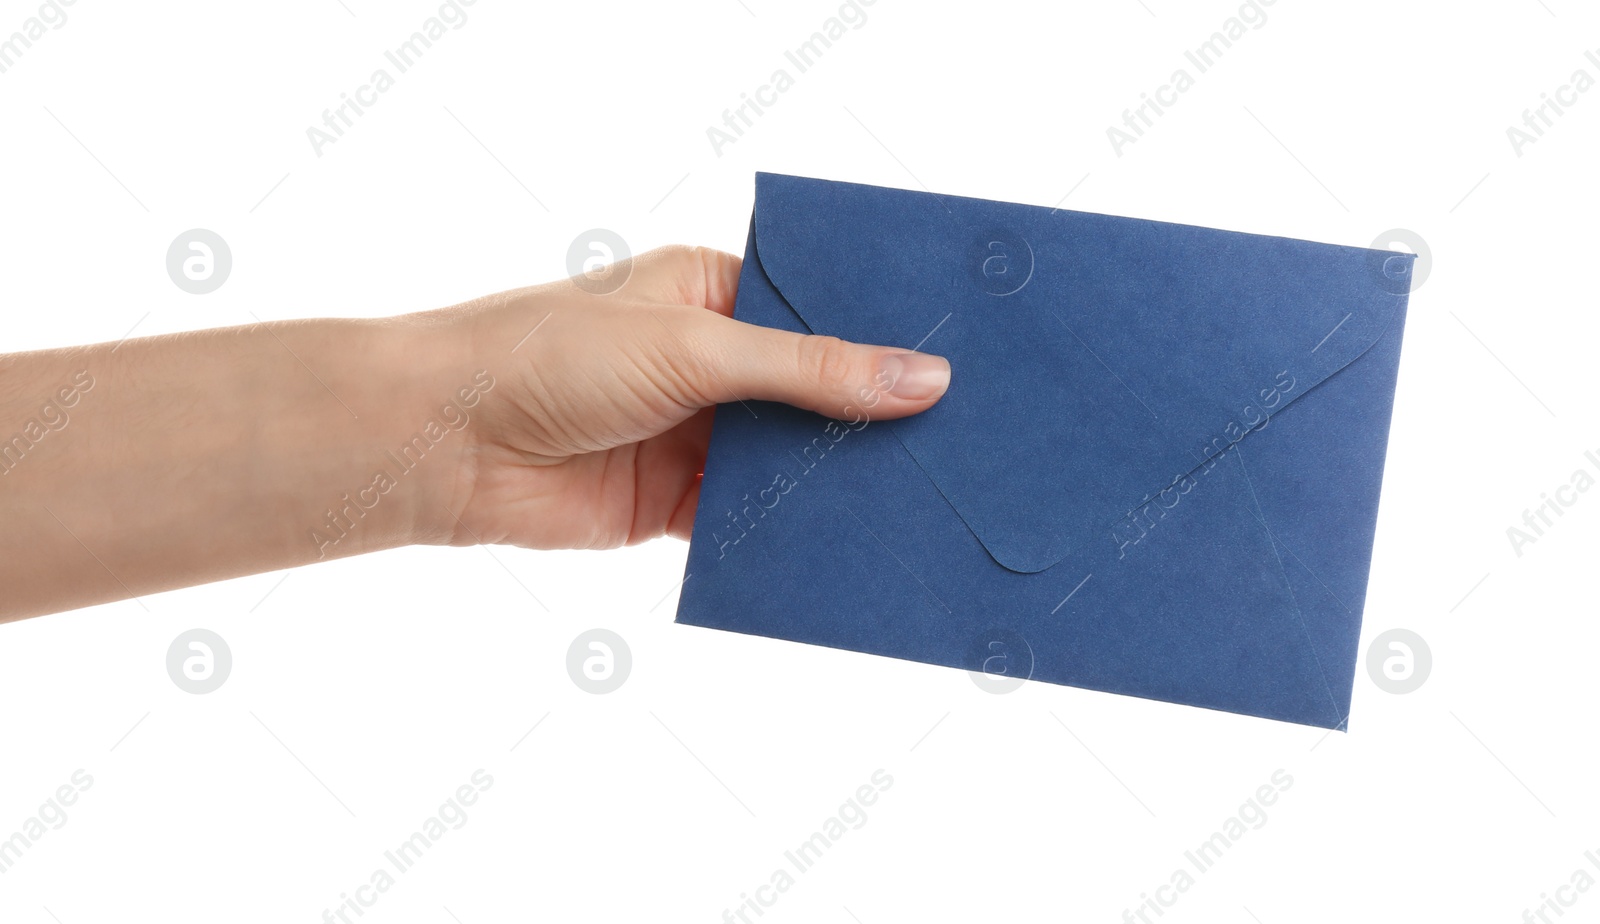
1299 615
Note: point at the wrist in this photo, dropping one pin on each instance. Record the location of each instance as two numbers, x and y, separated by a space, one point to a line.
427 446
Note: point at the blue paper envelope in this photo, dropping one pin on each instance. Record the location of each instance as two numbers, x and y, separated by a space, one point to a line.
1156 471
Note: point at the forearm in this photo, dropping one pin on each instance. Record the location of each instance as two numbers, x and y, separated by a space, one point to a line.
544 417
170 461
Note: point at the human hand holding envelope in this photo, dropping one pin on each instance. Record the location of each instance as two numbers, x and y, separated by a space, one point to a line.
1155 472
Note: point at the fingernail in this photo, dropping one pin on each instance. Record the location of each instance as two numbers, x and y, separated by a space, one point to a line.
916 376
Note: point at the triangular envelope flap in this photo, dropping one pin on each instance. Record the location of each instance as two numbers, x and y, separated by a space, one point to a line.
1096 360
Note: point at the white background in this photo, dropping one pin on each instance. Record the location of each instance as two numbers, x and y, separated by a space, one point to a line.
365 691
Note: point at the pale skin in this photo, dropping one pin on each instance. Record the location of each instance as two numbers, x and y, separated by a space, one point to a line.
164 462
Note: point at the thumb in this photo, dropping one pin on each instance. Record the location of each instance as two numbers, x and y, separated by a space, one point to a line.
726 360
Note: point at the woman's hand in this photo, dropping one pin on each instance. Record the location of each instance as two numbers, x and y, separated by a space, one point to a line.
595 431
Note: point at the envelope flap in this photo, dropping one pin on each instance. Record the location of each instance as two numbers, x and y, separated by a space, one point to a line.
1097 361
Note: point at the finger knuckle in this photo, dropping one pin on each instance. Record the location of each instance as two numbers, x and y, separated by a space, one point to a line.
828 358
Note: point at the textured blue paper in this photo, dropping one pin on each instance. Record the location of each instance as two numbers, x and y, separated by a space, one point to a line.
1156 471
